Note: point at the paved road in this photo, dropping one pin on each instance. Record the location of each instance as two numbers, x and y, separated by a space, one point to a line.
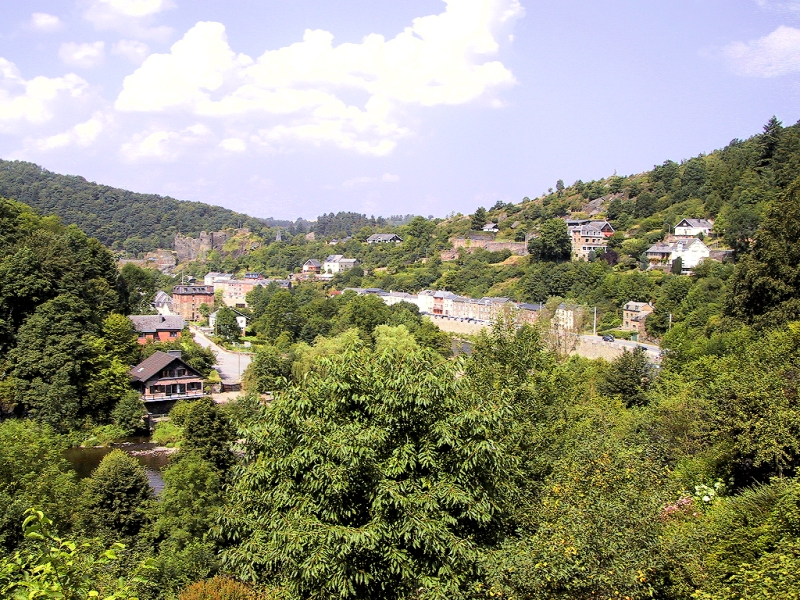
653 351
230 365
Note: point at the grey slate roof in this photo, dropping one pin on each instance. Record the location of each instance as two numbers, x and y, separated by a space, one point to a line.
152 366
153 323
695 223
162 298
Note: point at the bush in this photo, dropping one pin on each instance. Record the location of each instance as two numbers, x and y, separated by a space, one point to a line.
129 414
103 435
115 495
218 588
167 434
178 413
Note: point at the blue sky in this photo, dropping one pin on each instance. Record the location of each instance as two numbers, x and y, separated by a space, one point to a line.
292 109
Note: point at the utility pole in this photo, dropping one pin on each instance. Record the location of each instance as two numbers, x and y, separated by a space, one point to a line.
670 322
594 327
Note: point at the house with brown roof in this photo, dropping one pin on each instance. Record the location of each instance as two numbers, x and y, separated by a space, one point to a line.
164 378
157 328
312 265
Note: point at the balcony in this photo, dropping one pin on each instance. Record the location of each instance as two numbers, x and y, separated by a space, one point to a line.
192 395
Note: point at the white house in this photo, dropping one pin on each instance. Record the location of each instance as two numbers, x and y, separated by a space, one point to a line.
215 278
691 252
490 228
694 227
336 263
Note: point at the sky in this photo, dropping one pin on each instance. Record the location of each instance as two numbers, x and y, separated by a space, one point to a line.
384 107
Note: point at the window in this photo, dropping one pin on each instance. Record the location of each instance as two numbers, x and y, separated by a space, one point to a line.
180 372
173 334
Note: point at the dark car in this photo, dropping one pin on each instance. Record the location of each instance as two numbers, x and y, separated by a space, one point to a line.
608 338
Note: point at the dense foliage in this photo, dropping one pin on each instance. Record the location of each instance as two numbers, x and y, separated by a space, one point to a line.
136 222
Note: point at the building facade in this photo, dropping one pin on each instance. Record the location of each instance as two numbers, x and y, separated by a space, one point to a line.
164 378
157 328
587 239
186 300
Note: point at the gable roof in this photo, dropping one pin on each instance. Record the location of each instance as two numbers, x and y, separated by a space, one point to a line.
334 258
153 323
313 262
384 237
636 306
601 225
702 223
162 298
152 366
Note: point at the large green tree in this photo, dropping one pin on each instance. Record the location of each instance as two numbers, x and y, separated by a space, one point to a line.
376 477
33 472
226 325
115 496
766 284
51 363
478 219
208 434
553 242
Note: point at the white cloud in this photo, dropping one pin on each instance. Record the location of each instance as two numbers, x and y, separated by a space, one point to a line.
129 16
233 145
45 22
293 93
81 135
164 145
84 56
133 50
390 178
132 8
196 65
33 101
771 56
791 6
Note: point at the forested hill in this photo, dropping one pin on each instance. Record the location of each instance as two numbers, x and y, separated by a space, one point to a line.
118 218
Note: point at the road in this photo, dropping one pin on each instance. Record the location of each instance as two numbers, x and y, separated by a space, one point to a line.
230 365
618 346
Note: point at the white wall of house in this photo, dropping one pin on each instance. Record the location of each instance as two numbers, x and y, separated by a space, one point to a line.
691 255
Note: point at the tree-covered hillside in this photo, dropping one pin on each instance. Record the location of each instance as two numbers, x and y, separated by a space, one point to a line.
118 218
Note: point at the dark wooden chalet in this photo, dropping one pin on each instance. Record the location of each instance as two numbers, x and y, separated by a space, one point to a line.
163 378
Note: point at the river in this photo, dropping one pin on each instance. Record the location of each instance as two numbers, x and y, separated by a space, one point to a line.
151 456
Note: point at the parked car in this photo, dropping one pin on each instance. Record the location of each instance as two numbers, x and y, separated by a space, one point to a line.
608 338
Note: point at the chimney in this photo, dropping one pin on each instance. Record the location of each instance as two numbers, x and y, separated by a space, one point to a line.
175 353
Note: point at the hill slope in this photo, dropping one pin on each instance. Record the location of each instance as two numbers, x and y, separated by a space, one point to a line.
118 218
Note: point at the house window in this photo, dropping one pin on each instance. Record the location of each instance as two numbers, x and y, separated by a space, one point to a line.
180 372
173 334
